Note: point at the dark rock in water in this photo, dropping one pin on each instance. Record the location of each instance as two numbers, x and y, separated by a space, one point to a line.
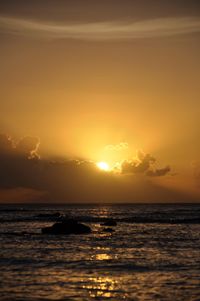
110 223
69 226
49 215
108 230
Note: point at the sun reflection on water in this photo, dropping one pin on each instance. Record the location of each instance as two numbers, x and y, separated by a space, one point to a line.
103 256
102 253
101 287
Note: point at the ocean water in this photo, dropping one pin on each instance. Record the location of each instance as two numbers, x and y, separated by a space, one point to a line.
153 254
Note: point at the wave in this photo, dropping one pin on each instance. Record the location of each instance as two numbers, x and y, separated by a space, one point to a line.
107 264
89 219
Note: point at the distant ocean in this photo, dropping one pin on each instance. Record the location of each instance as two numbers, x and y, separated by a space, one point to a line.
152 254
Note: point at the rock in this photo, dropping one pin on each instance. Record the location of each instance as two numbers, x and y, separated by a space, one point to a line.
69 226
110 222
108 230
49 215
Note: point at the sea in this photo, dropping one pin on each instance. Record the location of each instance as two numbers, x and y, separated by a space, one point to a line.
153 253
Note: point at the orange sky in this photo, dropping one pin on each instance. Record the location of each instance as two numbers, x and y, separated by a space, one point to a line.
99 81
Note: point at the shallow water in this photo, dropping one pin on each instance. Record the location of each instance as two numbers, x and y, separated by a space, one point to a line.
153 254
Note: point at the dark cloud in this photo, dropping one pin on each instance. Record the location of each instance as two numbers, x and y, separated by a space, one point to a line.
24 172
28 146
144 164
158 172
21 166
6 144
141 165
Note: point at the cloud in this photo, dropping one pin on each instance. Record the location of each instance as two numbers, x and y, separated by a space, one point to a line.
115 30
143 164
158 172
140 165
23 174
21 167
28 146
6 144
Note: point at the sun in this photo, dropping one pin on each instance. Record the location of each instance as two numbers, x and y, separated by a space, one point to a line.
103 166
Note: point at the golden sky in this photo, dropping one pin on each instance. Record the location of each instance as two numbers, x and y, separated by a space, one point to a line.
100 81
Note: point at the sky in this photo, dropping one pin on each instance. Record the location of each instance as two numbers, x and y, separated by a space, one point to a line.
84 82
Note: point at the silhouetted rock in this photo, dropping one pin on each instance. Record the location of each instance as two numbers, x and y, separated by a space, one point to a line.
69 226
49 215
108 230
110 222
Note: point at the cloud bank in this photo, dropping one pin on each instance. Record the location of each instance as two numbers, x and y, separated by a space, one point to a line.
25 175
115 30
144 164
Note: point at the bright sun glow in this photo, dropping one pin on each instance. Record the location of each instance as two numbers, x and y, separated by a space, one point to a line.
103 166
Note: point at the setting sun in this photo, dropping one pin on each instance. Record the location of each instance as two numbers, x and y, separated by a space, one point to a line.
103 166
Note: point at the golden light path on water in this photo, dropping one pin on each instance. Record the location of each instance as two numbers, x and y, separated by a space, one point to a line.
135 262
101 287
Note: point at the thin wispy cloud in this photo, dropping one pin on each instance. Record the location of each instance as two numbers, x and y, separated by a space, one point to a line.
115 30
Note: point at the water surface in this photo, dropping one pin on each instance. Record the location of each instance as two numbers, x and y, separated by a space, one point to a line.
153 254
